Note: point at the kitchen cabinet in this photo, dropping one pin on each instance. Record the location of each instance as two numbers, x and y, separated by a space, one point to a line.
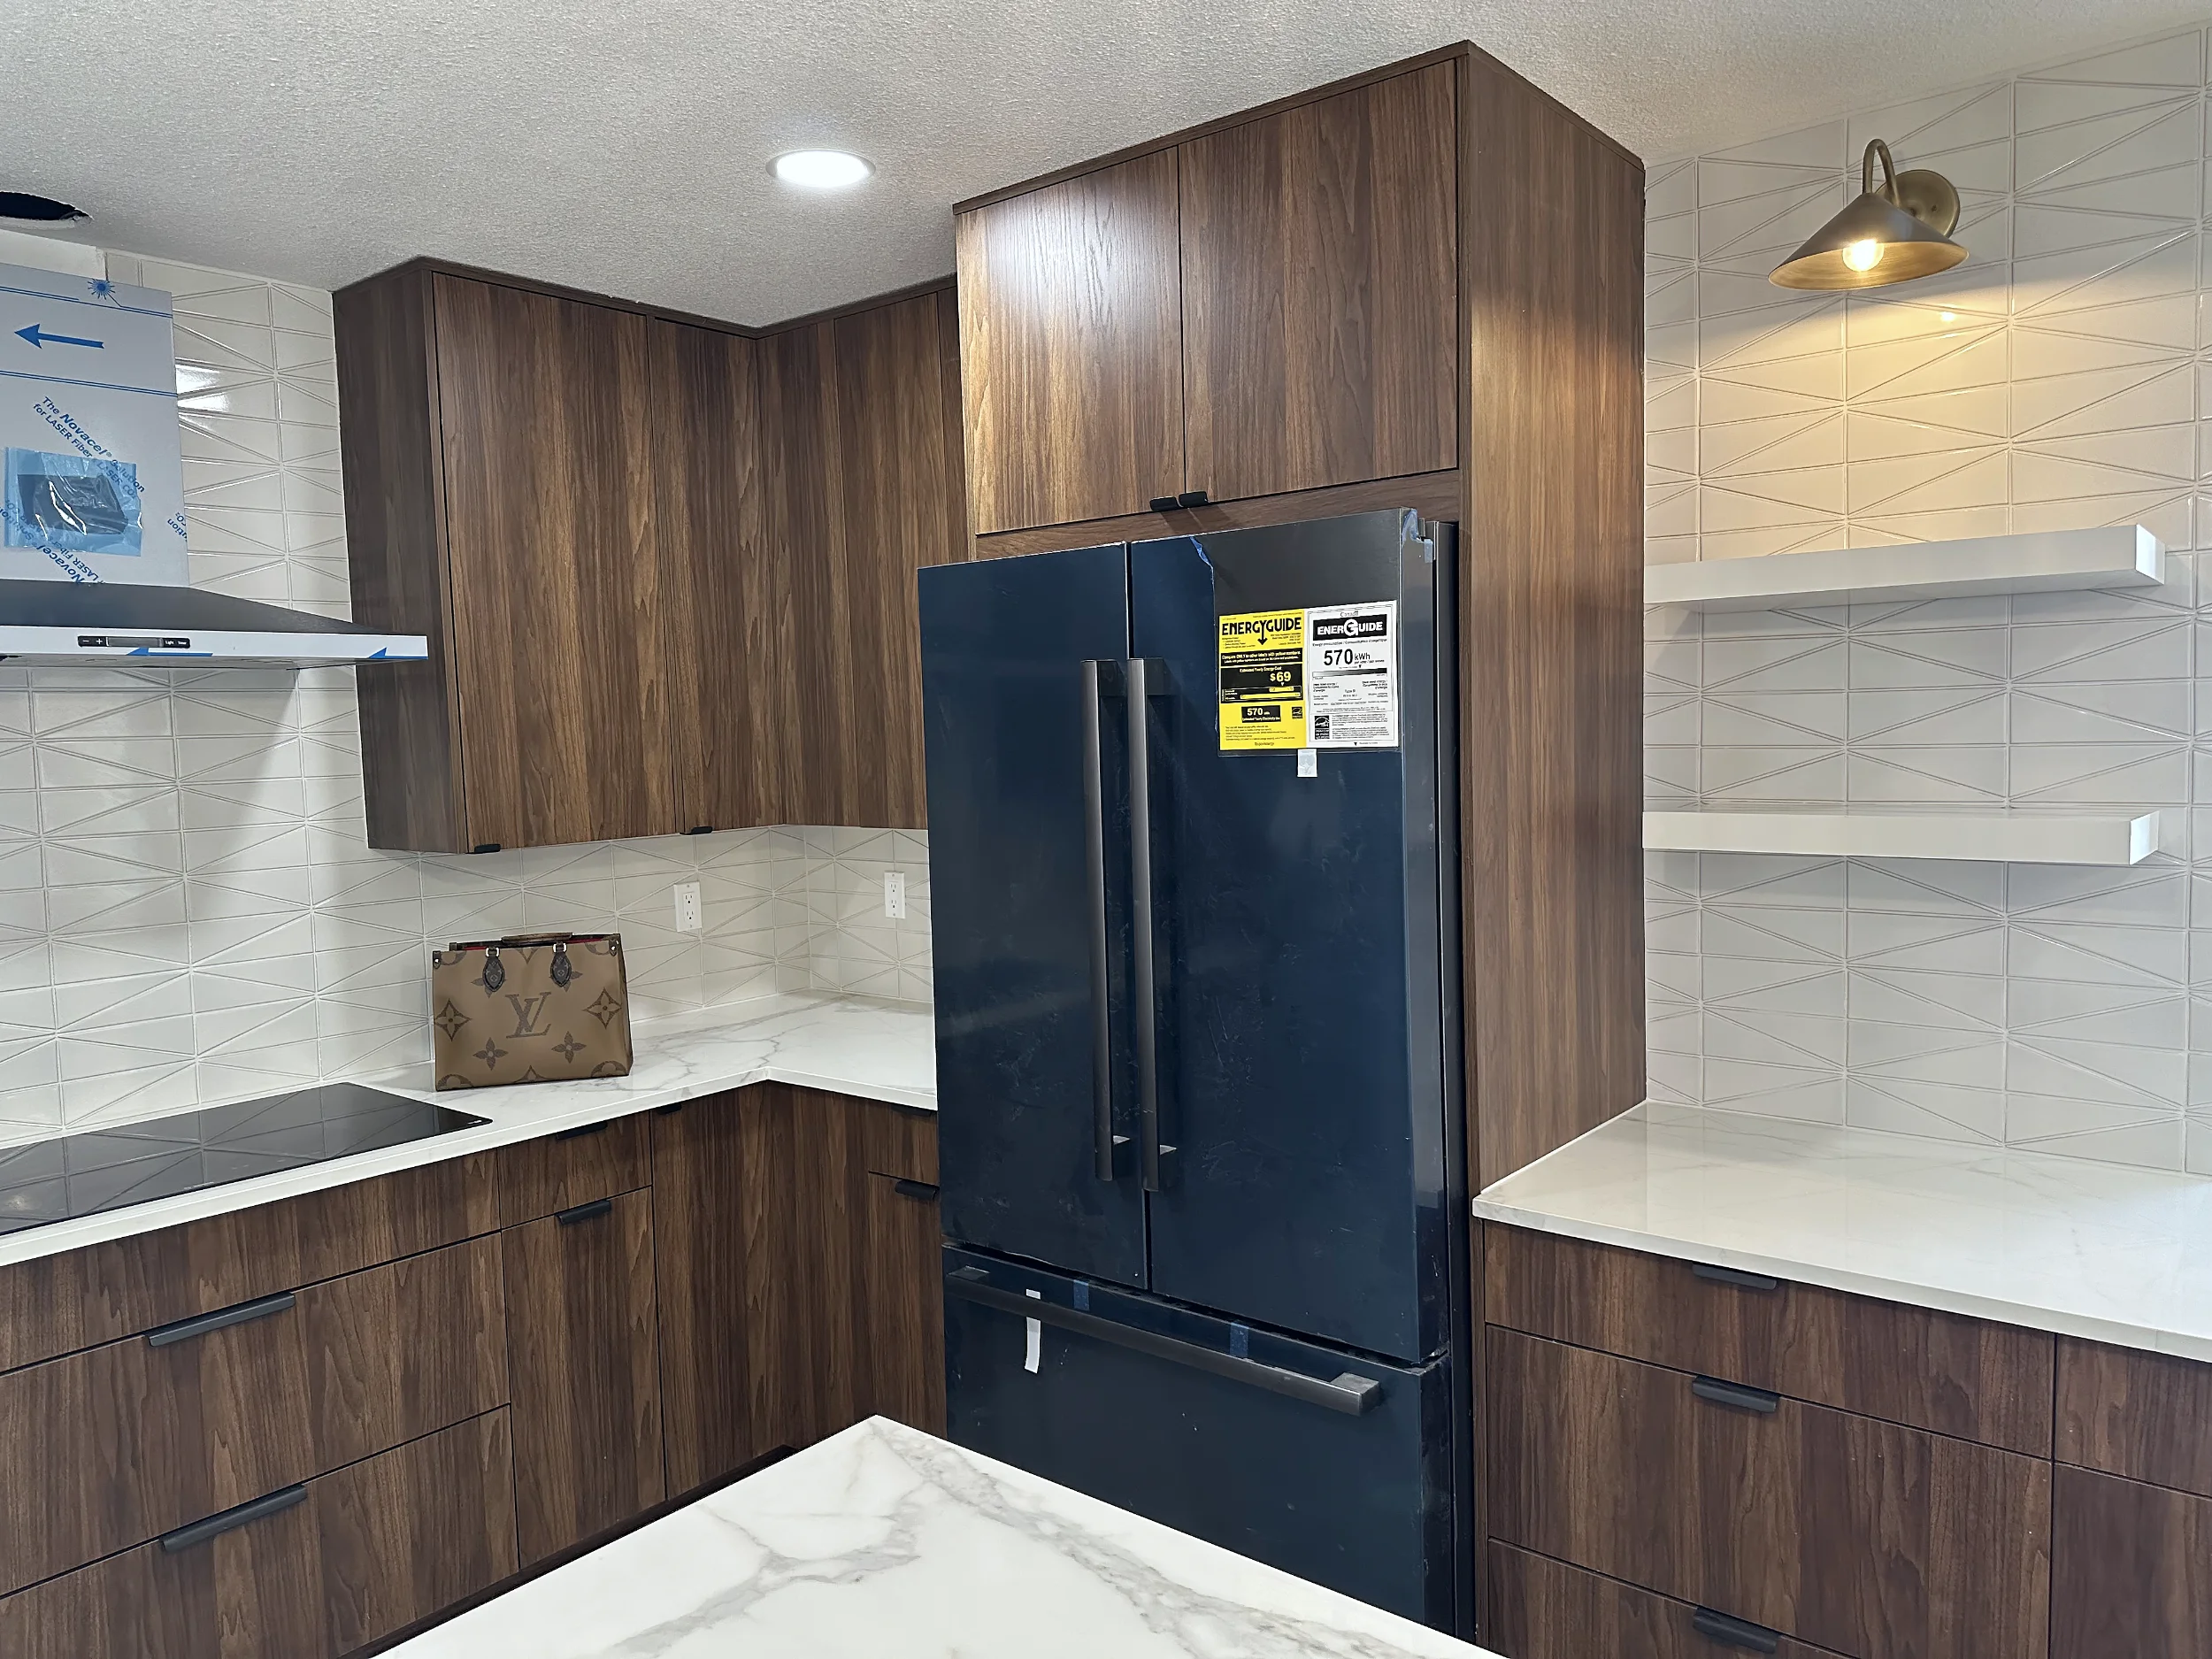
2128 1569
316 1572
1541 1609
582 1335
1320 281
667 568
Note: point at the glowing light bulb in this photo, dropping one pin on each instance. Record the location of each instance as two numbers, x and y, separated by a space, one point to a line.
1864 256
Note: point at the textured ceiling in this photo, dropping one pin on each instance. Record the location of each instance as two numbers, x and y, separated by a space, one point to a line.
623 149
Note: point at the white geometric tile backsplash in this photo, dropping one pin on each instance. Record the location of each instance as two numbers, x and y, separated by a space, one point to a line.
2058 379
189 911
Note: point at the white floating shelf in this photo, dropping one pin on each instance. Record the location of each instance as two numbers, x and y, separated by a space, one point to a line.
1997 837
2124 555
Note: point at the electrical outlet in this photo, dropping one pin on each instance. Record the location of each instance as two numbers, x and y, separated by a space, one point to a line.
689 915
894 894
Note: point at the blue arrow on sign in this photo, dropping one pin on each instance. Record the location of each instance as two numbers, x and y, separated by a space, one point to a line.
40 338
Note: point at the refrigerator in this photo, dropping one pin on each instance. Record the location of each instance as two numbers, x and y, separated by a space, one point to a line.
1193 864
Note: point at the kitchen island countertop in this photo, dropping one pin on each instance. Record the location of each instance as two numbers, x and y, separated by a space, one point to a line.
883 1542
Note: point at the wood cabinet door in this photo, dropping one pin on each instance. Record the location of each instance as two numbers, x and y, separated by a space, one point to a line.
901 1302
551 483
1542 1608
1861 1536
584 1361
1070 347
707 1344
351 1558
1320 261
2131 1570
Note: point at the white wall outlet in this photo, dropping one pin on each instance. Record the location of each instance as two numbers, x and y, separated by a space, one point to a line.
690 916
894 894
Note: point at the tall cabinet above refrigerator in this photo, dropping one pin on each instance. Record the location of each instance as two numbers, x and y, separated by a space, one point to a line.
1193 865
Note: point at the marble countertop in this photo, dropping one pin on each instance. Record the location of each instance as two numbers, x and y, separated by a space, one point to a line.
884 1051
2099 1251
886 1543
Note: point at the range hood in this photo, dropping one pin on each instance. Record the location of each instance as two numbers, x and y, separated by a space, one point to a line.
125 624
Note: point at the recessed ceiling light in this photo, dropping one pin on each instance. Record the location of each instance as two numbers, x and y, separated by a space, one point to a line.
37 210
821 169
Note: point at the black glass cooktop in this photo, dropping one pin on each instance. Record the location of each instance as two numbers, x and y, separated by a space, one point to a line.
132 1163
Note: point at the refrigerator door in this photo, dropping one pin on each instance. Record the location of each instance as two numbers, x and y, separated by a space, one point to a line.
1328 1465
1295 922
1028 811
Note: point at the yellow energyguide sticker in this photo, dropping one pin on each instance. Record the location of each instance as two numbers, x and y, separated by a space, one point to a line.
1264 680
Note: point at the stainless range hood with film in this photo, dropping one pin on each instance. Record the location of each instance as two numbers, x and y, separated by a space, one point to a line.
129 625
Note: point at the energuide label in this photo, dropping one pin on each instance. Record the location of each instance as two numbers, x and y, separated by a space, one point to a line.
1323 677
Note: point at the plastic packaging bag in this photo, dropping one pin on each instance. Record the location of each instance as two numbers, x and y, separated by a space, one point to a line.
71 504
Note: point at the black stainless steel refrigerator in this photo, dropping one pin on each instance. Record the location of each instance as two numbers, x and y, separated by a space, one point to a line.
1192 869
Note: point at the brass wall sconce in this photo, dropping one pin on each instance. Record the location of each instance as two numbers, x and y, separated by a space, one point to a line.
1891 234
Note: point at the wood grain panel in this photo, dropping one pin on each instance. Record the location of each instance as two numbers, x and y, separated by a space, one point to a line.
84 1297
726 609
1432 494
1551 629
897 1141
388 395
2145 1416
374 1548
1542 1608
901 1356
1935 1370
551 481
803 1242
555 1172
1849 1533
1071 327
1320 291
2128 1569
105 1448
585 1368
706 1341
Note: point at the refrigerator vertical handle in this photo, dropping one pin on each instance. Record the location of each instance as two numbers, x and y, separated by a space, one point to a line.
1094 906
1147 679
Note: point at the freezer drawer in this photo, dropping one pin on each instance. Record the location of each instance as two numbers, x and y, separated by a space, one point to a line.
1331 1465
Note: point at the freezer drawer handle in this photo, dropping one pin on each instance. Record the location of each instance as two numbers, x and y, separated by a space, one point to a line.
1736 1396
1147 679
1729 1631
1350 1393
1099 677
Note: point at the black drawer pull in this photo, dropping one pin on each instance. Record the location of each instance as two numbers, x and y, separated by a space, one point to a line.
229 1520
238 1313
588 1129
591 1211
1734 1276
1734 1633
1736 1396
922 1192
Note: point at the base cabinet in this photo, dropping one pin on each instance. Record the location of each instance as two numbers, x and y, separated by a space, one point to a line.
2131 1570
1542 1608
326 1569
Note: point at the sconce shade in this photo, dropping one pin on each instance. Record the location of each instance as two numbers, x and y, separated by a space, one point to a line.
1891 234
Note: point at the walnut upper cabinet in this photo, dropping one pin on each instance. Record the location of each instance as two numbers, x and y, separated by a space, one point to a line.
1269 306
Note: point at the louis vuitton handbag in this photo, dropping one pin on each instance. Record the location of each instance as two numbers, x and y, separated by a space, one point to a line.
539 1008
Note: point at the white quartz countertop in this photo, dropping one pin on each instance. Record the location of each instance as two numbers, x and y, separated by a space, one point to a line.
884 1051
886 1543
2099 1251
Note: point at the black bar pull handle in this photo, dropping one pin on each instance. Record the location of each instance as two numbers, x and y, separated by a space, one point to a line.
231 1520
1735 1276
1164 504
579 1132
1191 498
1347 1392
1147 679
921 1191
1095 916
1730 1632
238 1313
591 1211
1735 1396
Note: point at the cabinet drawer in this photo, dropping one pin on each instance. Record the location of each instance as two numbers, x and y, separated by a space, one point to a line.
81 1298
560 1172
1541 1609
1862 1536
102 1449
2145 1416
2128 1569
1934 1371
349 1558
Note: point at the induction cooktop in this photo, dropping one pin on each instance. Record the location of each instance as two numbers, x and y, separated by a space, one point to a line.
101 1170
